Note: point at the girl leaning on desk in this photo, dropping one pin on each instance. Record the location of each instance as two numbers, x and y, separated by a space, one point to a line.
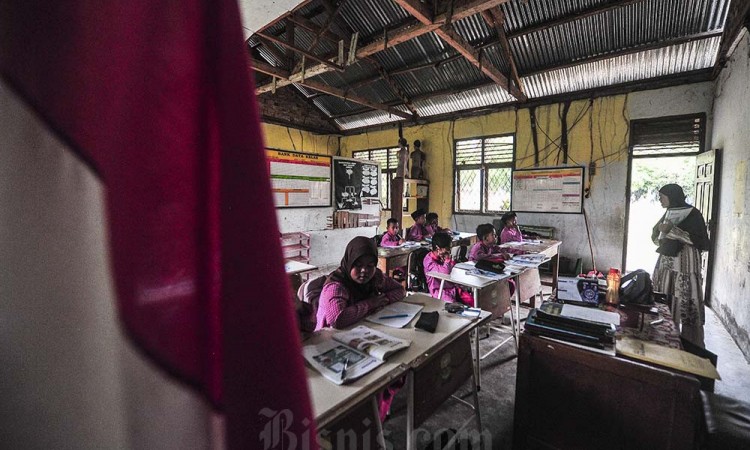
681 235
356 288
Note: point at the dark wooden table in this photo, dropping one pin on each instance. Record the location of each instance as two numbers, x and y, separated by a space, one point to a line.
568 397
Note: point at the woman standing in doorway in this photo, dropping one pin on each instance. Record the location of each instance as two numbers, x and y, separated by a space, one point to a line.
681 235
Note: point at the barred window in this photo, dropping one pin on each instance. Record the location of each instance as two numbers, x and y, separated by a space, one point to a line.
388 159
483 168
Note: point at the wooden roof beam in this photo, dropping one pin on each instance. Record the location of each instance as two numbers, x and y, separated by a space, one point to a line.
496 19
399 35
452 38
305 53
266 68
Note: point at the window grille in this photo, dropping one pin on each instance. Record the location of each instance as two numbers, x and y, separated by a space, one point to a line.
483 169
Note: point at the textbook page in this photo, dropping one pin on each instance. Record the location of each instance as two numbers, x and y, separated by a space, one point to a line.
395 315
372 342
330 357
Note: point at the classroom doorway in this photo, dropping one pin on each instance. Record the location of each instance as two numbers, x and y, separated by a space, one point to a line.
646 177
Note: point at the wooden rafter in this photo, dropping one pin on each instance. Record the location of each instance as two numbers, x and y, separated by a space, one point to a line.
333 11
452 38
310 26
395 86
403 33
266 68
496 19
302 52
290 31
579 62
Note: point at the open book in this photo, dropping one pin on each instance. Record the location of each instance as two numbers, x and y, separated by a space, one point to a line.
375 343
395 315
352 354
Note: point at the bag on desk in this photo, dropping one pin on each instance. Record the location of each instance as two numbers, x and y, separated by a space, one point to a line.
491 266
636 288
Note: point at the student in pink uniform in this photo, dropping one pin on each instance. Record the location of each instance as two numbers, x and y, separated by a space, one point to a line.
431 224
418 232
486 246
356 288
439 260
511 232
391 238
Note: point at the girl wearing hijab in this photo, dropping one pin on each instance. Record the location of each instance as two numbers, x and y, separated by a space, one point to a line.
681 235
356 288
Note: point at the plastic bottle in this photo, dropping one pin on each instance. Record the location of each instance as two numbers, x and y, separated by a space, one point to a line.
613 287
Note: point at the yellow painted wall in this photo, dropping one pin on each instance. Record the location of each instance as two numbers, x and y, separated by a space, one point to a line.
599 133
287 138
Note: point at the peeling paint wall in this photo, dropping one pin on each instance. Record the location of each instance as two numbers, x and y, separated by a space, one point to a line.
731 133
599 133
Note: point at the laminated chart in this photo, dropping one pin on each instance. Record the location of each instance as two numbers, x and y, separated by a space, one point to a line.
299 179
555 190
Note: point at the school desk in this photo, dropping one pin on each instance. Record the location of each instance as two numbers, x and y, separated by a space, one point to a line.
435 365
295 270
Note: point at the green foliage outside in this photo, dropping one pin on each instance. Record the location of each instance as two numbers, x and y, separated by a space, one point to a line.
649 175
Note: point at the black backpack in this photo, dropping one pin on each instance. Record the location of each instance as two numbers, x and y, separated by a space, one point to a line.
636 288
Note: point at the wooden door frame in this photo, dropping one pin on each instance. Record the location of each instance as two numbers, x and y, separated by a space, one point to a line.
712 223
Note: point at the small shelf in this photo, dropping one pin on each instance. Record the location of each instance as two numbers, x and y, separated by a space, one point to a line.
296 246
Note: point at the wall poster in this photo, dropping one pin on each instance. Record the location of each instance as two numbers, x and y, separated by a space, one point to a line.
299 180
548 190
354 180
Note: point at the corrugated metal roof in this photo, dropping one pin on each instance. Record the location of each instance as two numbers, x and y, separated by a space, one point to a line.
622 69
642 23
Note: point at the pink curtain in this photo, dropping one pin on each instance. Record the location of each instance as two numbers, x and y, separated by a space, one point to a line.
156 97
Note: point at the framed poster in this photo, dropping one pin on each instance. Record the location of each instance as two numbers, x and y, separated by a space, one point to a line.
299 180
548 190
354 180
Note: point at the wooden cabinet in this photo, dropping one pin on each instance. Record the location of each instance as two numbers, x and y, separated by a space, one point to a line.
296 246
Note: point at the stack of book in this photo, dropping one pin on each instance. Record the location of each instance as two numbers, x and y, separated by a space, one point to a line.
580 325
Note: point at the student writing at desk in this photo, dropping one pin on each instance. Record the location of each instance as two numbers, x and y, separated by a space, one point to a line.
439 260
354 290
391 238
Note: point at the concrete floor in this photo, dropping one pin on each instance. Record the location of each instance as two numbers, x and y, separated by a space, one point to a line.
731 364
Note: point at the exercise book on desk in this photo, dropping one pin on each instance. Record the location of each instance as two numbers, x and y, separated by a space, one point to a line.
395 315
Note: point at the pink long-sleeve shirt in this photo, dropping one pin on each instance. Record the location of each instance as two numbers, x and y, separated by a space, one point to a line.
389 240
417 233
336 308
480 251
510 235
433 264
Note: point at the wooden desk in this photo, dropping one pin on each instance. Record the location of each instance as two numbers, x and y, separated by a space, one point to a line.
390 258
462 238
295 270
293 267
336 406
568 397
